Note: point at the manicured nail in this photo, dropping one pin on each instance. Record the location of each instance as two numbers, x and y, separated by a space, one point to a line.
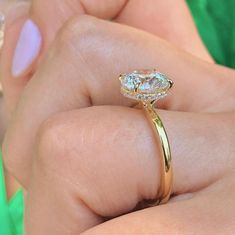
2 27
27 48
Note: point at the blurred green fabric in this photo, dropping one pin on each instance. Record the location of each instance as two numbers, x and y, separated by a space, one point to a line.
215 20
11 212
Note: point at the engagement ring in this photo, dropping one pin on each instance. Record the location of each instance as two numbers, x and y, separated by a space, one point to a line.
148 86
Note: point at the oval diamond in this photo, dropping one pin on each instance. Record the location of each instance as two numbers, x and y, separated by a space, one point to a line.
145 85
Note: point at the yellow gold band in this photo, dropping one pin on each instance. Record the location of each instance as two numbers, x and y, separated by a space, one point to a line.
166 175
148 86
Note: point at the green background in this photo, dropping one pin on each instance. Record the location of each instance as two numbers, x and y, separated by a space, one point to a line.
215 20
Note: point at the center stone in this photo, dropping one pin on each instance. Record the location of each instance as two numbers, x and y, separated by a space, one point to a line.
145 85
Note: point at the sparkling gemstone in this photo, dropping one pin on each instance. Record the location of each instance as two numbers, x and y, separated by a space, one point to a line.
145 85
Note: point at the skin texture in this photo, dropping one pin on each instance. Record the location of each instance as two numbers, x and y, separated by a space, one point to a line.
67 153
74 43
59 154
49 24
193 216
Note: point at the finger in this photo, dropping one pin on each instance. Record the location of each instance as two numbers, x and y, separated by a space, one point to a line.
42 25
17 12
63 10
199 215
178 28
107 158
31 34
76 74
7 8
168 19
12 11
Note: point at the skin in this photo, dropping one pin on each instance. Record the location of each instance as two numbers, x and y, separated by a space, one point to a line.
2 119
59 155
120 11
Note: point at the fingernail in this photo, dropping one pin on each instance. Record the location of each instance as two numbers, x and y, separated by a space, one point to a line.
2 26
27 48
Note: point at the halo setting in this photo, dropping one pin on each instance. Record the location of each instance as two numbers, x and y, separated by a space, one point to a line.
145 85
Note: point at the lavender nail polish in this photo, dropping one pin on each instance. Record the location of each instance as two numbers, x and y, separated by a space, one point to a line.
27 48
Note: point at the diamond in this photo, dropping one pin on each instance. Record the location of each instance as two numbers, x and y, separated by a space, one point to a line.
145 85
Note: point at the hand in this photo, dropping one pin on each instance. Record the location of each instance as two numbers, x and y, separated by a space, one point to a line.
73 161
49 16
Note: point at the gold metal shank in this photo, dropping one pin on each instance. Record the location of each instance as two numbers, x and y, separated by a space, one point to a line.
167 175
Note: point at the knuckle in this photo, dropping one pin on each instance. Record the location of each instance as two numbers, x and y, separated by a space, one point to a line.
62 142
78 41
49 142
72 146
77 31
81 41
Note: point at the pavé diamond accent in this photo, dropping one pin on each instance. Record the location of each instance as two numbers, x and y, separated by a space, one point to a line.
145 85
